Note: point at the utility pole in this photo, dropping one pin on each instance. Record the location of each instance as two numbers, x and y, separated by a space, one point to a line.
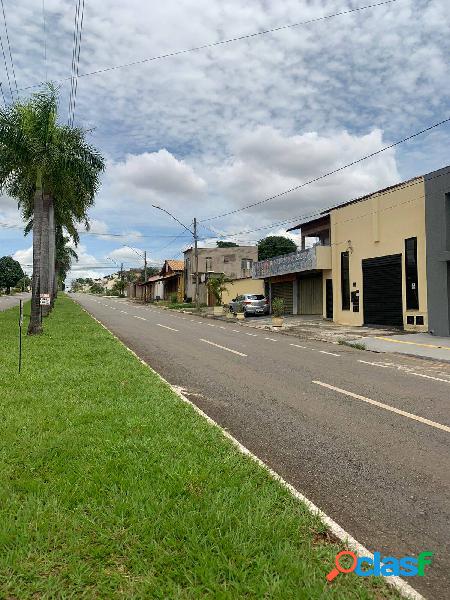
197 294
195 235
145 275
121 277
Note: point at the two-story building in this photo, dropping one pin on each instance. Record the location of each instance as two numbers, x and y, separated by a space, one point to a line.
383 259
235 262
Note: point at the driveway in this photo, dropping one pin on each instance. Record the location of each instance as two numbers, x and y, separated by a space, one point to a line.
365 439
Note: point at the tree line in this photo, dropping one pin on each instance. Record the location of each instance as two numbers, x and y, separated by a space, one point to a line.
54 174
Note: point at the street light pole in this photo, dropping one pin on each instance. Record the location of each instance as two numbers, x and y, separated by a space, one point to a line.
197 294
195 235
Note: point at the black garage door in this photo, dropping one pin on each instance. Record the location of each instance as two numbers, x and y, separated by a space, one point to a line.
382 290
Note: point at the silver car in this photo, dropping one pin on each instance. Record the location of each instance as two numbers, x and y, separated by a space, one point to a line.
251 304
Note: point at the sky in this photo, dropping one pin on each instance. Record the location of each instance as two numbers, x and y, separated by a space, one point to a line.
207 132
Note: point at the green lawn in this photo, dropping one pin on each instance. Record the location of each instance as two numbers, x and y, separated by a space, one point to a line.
112 487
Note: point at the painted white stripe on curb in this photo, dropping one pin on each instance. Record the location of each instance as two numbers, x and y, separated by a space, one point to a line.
350 542
385 406
166 327
222 347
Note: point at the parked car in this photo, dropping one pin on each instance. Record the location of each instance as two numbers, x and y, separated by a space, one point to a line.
252 304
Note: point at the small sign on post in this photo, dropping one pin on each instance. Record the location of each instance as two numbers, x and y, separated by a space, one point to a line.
45 299
20 332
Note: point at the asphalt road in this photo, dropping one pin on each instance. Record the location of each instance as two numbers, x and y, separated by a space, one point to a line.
10 301
383 475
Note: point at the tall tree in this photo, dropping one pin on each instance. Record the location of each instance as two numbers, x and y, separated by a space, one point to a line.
275 245
49 169
10 273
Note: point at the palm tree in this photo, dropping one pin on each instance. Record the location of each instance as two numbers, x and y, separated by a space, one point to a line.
53 173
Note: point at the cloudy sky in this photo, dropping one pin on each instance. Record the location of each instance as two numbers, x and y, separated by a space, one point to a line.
206 132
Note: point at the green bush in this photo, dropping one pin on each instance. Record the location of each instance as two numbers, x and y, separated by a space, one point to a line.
278 307
174 298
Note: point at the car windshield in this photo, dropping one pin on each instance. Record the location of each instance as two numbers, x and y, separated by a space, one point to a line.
255 297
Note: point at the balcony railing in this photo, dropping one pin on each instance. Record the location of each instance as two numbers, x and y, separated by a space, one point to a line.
317 257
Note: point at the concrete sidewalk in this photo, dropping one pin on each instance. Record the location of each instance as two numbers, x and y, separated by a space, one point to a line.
424 345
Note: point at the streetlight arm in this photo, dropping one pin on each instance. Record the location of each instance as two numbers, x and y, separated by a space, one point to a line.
171 215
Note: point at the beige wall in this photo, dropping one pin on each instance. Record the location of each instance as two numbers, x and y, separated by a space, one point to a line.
375 227
223 260
242 286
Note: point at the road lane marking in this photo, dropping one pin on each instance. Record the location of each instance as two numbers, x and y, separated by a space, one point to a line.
404 370
236 330
223 347
366 362
210 325
142 318
386 339
403 413
298 346
252 334
271 339
124 312
166 327
222 327
330 353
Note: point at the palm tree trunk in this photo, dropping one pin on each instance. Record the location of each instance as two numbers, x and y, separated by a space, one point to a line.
35 325
51 249
45 254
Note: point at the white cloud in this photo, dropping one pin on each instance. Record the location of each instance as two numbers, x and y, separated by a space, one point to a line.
157 172
210 131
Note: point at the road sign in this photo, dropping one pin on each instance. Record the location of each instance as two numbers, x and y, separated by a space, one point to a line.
45 300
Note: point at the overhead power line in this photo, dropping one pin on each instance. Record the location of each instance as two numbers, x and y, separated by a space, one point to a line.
221 42
324 175
44 34
77 31
321 211
9 48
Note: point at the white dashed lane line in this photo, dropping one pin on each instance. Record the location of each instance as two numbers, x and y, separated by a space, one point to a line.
166 327
142 318
406 371
330 353
271 339
298 346
223 347
385 406
252 334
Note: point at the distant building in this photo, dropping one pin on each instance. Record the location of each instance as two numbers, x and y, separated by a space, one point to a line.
236 263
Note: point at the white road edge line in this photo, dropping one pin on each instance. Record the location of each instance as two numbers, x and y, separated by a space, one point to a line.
403 413
223 347
330 353
166 327
406 372
396 582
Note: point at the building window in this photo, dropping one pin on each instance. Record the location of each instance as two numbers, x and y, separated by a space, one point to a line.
229 258
246 264
412 283
345 281
208 263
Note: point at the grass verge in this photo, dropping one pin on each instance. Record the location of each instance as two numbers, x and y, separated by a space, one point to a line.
112 487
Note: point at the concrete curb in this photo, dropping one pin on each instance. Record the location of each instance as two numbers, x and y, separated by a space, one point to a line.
396 582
